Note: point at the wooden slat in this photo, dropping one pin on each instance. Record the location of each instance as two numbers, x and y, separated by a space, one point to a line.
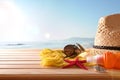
19 62
55 77
19 54
19 57
20 66
111 74
19 51
53 74
49 71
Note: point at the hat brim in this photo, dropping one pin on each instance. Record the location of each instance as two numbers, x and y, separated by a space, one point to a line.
94 51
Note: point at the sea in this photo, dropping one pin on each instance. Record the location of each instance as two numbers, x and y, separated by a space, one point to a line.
52 44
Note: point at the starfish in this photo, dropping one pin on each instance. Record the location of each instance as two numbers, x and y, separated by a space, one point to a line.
76 62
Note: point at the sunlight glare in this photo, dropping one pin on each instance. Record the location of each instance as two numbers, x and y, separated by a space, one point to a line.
47 35
11 22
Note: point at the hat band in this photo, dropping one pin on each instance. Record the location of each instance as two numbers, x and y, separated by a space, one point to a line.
106 47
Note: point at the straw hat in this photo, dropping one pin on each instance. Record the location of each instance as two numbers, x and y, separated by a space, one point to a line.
108 35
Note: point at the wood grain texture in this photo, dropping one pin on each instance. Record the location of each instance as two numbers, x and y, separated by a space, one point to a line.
24 64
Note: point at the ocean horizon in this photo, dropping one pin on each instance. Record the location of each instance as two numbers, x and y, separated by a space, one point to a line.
53 44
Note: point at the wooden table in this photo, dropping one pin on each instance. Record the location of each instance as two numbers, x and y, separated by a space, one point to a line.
24 64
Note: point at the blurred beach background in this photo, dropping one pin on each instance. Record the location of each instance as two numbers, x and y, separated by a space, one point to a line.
53 44
51 23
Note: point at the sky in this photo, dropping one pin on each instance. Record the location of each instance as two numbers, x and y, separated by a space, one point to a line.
43 20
